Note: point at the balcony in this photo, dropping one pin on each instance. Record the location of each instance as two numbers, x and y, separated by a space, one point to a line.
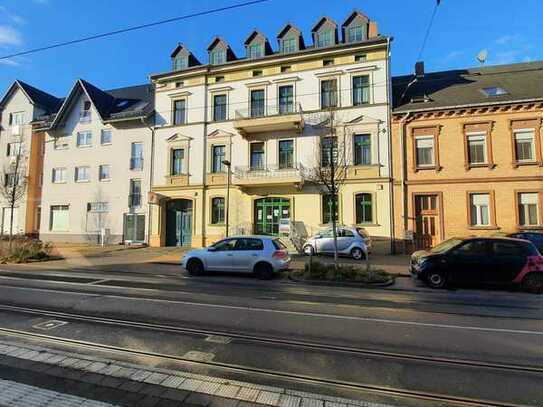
270 175
261 118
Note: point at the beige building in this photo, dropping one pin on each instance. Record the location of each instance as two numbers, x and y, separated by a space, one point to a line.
467 152
265 114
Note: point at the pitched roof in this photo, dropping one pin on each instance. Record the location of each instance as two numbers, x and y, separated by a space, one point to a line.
321 21
464 87
37 97
116 104
352 16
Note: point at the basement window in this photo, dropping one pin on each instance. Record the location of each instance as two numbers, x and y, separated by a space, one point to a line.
360 58
494 91
328 62
257 72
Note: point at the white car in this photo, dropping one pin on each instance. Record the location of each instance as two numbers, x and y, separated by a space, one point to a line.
350 242
262 255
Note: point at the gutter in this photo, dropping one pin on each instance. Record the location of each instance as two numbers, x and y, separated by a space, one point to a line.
403 178
390 167
151 173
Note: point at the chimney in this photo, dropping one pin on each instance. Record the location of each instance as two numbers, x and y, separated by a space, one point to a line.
419 69
372 30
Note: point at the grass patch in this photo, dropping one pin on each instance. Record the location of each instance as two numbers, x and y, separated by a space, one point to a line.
24 250
345 273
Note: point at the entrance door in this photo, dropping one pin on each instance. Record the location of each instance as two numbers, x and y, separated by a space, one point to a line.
426 221
134 227
179 222
268 213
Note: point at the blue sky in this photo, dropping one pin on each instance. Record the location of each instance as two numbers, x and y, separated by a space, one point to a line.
461 29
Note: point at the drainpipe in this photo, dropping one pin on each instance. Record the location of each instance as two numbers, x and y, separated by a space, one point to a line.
204 164
403 125
151 173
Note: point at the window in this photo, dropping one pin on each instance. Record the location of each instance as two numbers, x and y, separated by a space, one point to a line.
286 154
528 209
328 93
13 149
58 176
136 157
84 139
473 248
180 62
217 211
179 112
219 79
257 103
134 197
360 58
85 114
105 137
289 44
480 209
361 90
179 84
286 68
11 180
355 33
424 146
525 145
225 245
249 244
104 172
177 158
217 57
494 91
257 156
476 149
508 249
255 51
59 219
219 107
364 208
362 149
218 157
82 174
98 207
60 143
328 151
286 99
325 38
17 118
327 62
327 209
258 72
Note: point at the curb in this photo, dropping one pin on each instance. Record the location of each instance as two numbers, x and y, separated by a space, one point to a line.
343 284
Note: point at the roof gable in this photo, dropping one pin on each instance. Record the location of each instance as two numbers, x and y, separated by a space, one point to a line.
323 22
218 42
356 16
290 30
49 103
181 50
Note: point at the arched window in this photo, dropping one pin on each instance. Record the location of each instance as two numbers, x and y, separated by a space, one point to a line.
364 208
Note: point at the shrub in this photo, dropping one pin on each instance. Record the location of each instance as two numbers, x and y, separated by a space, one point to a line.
23 250
344 272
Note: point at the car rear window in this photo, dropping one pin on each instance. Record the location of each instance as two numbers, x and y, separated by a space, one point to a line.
279 245
509 248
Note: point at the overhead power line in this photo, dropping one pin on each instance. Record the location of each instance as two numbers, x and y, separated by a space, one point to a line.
427 34
133 28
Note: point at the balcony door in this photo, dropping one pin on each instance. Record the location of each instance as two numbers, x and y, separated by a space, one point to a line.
268 212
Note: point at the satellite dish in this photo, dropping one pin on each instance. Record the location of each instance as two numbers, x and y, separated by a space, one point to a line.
482 56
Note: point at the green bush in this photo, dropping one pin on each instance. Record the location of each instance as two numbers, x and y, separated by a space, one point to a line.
23 250
344 272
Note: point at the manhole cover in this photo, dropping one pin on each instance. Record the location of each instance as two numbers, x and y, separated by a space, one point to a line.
219 339
48 325
199 356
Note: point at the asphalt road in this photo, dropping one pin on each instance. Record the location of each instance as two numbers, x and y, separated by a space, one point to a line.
385 345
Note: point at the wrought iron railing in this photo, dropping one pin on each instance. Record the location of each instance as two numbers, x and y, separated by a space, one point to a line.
263 110
270 171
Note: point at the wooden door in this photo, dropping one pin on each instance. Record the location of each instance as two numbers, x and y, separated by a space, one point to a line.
427 221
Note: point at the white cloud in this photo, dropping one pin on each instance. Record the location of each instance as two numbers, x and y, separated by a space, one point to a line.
9 62
9 36
12 18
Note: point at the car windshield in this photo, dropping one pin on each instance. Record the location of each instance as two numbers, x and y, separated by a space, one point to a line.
446 245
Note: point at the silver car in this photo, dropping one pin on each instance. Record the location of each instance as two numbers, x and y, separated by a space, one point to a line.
350 242
261 255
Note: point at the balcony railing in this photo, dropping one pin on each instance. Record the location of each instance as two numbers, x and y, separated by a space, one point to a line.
261 110
136 163
270 174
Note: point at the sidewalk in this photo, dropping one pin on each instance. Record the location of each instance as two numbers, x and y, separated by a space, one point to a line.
40 377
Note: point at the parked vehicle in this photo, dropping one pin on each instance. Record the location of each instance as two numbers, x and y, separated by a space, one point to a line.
367 238
494 260
535 237
349 243
261 255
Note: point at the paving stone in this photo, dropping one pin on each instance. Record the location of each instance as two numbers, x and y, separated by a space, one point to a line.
190 384
208 387
68 362
198 399
140 375
148 401
95 367
248 394
268 398
109 370
227 390
167 403
92 378
53 360
152 389
287 400
155 378
307 402
173 381
124 372
334 404
110 381
131 386
222 402
174 394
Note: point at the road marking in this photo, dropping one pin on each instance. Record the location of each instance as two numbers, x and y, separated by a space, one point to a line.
218 339
48 325
313 314
199 356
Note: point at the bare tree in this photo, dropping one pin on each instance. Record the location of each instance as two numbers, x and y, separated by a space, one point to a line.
14 179
330 170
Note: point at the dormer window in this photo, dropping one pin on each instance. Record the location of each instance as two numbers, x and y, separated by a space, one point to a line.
289 45
180 62
85 114
217 57
325 38
255 51
494 91
355 33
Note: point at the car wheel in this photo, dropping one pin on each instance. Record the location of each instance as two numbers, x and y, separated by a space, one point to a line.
309 250
436 279
358 254
533 283
263 271
195 267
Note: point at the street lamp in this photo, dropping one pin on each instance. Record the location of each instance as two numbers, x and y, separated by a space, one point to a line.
229 171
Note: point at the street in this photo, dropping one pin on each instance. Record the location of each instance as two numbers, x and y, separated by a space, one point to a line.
405 347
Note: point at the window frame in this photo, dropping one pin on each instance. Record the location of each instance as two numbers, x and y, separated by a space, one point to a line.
295 40
524 125
321 93
213 56
175 62
320 43
292 151
324 205
65 177
322 155
184 117
290 99
100 167
251 167
221 167
369 136
353 89
491 210
51 218
107 143
539 194
217 221
432 164
470 138
214 107
77 173
88 137
263 100
173 171
255 46
350 38
133 158
373 220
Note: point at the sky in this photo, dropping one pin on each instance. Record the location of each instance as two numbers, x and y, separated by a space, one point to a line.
510 31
